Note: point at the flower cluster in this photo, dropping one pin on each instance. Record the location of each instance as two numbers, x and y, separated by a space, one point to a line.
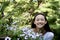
28 34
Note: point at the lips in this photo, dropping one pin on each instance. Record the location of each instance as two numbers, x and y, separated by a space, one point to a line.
39 25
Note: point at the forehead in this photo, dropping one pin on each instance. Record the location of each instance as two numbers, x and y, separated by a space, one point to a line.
40 16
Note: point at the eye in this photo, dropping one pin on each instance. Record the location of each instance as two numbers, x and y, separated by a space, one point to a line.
42 20
37 19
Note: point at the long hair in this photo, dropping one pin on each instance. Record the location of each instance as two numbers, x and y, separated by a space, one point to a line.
46 26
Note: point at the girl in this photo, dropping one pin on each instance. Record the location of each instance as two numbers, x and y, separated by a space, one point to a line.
40 28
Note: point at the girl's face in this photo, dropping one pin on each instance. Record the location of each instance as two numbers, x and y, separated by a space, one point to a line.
40 21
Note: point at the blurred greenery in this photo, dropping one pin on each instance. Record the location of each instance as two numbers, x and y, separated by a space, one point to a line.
15 14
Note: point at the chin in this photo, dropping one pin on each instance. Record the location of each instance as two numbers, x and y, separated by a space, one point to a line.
40 27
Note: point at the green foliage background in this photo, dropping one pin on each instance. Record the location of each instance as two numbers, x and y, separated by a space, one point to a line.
19 13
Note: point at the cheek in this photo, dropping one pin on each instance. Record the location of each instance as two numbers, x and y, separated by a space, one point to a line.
35 22
43 23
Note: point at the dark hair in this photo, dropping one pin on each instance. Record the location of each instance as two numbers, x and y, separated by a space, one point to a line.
46 27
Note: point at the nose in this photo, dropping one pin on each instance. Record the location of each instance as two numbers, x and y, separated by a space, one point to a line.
40 21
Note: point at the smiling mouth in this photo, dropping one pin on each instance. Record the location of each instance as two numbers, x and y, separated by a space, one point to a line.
39 24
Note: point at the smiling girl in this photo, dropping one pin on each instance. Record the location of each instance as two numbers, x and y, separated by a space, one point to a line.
40 28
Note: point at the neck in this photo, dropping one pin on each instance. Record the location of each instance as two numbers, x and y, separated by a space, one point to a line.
41 30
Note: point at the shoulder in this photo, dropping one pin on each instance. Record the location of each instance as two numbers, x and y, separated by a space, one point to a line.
49 34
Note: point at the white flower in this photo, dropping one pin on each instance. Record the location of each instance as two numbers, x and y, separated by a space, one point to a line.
25 29
22 34
34 37
40 34
7 38
26 37
25 32
37 35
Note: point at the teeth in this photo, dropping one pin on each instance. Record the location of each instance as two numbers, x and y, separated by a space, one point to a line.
39 24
